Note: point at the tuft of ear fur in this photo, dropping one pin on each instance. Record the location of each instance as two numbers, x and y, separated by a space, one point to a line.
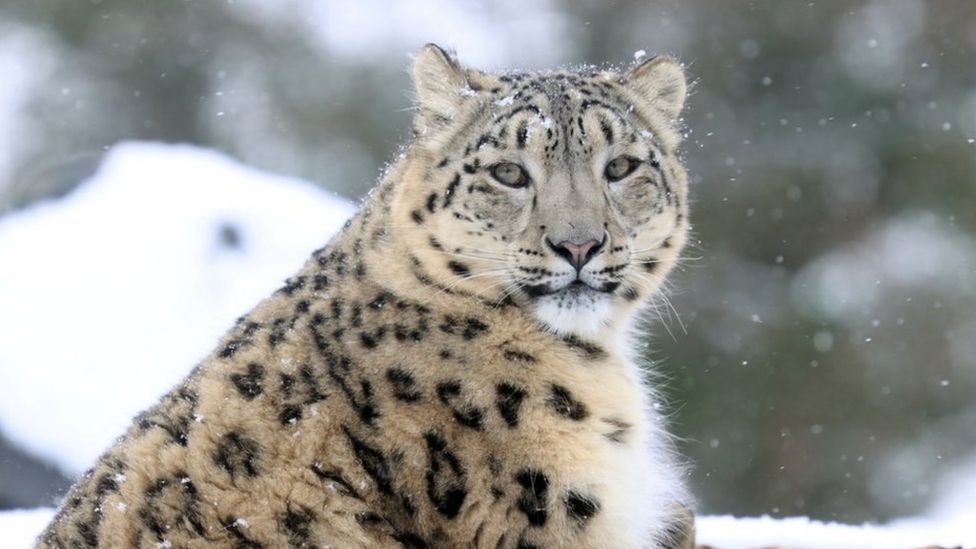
661 82
438 81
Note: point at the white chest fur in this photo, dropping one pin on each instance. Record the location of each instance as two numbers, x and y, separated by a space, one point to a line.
624 457
642 478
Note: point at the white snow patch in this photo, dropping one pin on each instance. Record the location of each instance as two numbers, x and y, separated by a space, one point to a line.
726 532
18 528
505 101
111 295
955 501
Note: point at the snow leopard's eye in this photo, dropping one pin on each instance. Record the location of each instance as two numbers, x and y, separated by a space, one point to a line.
510 174
620 167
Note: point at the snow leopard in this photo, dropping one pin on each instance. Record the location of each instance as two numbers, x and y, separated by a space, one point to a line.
458 366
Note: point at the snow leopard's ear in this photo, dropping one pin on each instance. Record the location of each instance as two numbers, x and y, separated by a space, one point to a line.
439 82
660 81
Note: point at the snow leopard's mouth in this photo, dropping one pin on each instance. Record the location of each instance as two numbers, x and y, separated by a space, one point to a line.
573 289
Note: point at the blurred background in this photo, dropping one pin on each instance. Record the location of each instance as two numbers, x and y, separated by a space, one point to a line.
821 348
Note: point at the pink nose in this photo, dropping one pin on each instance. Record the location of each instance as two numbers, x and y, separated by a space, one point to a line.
577 254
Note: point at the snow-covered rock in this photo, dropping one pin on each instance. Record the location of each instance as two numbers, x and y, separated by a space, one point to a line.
111 295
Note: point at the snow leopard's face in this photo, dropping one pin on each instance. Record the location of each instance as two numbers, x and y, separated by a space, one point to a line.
560 190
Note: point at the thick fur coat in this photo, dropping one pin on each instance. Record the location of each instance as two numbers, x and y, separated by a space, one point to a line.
453 369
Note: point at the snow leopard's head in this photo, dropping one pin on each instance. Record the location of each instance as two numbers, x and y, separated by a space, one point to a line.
560 190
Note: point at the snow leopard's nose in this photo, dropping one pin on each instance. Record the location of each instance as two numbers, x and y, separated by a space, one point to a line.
576 254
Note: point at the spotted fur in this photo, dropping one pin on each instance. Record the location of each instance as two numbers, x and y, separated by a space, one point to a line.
445 372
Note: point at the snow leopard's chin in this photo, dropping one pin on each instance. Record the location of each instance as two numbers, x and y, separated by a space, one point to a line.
575 310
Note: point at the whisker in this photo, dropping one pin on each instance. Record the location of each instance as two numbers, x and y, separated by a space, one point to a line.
470 248
475 257
469 277
669 306
507 291
655 246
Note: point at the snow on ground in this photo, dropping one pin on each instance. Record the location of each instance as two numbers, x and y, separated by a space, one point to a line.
19 528
726 532
111 295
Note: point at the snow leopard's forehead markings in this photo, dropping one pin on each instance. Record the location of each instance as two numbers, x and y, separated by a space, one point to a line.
568 99
594 172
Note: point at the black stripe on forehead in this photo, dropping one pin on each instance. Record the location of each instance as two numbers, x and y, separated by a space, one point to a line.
605 109
588 104
488 139
606 128
631 128
549 97
522 134
613 124
521 108
516 123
